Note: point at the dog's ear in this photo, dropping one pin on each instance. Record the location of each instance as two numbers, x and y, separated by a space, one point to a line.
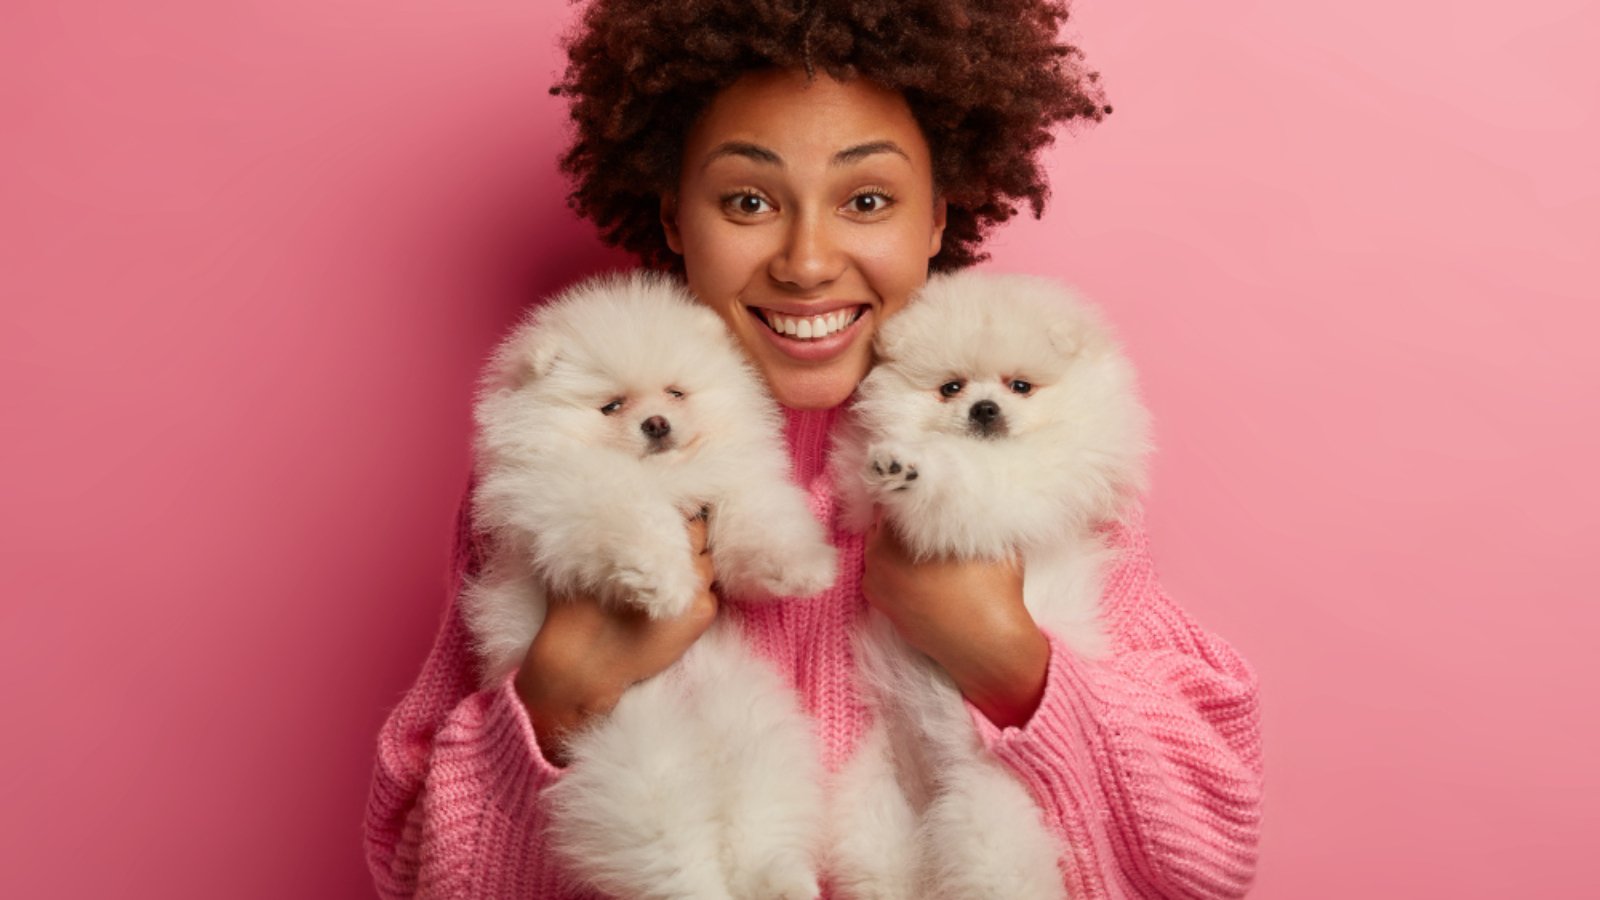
888 343
709 326
529 355
1066 335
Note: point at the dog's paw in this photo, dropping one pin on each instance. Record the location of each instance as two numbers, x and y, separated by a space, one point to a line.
799 572
663 585
781 879
890 469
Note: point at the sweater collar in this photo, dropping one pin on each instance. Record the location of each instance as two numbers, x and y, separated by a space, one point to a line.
808 434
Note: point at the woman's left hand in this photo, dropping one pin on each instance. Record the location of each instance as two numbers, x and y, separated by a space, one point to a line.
969 617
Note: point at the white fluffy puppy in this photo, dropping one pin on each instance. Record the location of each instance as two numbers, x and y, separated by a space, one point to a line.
609 416
1000 422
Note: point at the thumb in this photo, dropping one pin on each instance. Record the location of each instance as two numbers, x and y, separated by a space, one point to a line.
699 534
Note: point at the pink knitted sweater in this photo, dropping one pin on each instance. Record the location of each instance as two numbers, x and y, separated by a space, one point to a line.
1147 764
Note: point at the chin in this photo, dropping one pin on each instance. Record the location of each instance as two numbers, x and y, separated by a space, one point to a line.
814 392
815 387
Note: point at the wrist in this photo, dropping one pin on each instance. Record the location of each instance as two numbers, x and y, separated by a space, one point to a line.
559 701
1008 683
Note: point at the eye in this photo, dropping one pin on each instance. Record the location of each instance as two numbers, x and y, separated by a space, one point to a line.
869 202
746 203
611 407
1018 386
951 388
674 393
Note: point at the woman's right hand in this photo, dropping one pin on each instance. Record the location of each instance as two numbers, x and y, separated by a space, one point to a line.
587 653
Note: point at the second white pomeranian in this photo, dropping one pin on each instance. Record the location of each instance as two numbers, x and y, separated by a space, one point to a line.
1001 422
611 415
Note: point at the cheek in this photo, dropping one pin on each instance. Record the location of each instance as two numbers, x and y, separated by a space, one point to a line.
896 269
720 262
681 413
956 417
1017 412
943 416
617 433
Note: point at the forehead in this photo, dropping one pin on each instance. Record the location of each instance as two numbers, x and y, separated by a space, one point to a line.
805 122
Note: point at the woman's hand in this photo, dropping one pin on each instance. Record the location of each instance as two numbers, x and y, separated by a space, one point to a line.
969 617
586 654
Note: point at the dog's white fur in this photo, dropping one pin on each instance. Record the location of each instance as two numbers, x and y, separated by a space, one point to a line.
922 811
704 781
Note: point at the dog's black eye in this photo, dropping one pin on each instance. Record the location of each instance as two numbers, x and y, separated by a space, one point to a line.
951 388
1018 386
674 393
611 407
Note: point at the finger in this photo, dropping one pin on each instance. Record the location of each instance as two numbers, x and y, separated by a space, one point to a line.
698 531
882 534
704 568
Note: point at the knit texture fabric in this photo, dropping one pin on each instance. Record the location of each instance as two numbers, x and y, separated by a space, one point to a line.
1146 764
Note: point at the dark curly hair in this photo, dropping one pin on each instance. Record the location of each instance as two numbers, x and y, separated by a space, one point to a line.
985 80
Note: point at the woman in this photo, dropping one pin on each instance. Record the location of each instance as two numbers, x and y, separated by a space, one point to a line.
801 161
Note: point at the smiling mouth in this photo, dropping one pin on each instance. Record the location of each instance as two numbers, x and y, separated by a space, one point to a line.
809 328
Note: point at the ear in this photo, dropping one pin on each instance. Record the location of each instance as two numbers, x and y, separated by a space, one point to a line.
885 346
669 222
709 325
530 354
1066 336
941 212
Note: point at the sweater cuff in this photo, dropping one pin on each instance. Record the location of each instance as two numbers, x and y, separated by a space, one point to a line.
1053 752
1053 755
1057 715
513 730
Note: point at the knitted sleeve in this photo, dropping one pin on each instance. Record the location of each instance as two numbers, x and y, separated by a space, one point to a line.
454 809
1147 763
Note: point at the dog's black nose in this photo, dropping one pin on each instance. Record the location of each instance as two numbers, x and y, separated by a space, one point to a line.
984 412
655 428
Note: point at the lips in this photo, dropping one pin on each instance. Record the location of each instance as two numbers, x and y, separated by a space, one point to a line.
810 327
819 335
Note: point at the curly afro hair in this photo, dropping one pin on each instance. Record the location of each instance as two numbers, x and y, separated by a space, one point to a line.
986 81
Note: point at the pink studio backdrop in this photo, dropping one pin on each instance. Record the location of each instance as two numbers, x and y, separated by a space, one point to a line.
251 255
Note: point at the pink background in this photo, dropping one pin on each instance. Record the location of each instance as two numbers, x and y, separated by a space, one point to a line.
251 255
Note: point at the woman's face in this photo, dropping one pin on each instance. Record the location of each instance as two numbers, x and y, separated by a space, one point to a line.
805 215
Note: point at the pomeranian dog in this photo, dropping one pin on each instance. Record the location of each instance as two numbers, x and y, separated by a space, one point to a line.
1000 422
607 419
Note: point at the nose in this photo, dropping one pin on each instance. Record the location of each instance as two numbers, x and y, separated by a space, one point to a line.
655 428
809 257
983 413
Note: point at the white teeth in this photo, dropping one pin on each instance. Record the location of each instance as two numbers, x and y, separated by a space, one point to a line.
810 328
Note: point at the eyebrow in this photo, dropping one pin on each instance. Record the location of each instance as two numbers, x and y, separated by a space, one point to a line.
760 154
